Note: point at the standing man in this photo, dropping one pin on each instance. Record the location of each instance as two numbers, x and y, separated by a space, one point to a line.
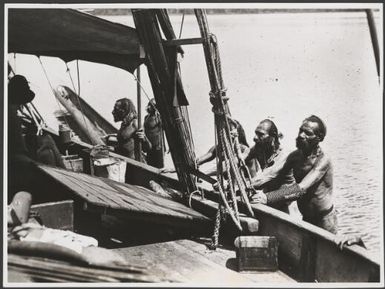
154 132
124 111
313 173
266 162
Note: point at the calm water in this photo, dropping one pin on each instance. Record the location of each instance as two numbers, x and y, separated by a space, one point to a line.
281 66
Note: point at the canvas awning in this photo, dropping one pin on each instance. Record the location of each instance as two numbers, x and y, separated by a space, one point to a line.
70 34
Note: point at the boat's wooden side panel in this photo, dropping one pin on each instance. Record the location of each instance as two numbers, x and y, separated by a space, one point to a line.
330 268
310 254
56 215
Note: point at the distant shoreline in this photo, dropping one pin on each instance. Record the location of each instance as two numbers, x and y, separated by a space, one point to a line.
226 11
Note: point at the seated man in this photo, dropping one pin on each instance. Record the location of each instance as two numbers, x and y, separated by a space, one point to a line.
20 164
313 173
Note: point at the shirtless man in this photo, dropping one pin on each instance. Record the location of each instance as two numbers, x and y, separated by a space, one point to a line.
236 130
124 111
313 173
154 132
265 162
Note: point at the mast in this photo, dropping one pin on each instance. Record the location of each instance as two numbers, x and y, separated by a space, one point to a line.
138 144
165 80
373 36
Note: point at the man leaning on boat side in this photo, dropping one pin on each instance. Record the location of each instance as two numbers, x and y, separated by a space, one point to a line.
265 161
313 173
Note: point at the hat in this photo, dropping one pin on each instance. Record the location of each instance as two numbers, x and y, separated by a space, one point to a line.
19 91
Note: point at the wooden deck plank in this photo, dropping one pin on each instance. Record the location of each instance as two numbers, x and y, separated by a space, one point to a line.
86 192
141 202
167 204
227 258
108 193
191 262
175 262
64 179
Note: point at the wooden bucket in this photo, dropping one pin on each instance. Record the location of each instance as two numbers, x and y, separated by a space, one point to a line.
73 163
255 253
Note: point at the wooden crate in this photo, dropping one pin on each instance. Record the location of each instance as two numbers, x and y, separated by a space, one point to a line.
255 253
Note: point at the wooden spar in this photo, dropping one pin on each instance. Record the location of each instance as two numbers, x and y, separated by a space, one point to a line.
93 133
373 36
138 146
160 68
139 99
103 125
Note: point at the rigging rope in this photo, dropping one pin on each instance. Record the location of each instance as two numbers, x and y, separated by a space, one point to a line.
14 62
39 124
78 92
142 88
229 159
70 76
78 97
181 26
11 69
53 91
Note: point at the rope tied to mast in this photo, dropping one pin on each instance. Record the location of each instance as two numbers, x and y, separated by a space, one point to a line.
232 173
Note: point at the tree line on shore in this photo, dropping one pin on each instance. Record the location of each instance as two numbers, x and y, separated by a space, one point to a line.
123 11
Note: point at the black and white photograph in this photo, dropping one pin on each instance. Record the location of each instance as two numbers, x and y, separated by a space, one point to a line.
193 144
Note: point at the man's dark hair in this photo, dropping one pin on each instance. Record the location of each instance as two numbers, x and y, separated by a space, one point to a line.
241 133
19 91
321 132
127 105
273 131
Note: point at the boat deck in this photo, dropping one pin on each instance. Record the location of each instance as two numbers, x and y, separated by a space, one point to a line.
112 197
192 262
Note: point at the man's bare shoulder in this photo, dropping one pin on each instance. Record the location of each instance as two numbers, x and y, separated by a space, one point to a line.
324 159
294 155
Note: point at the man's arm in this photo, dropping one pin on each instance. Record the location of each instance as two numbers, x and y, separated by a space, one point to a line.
283 162
209 156
295 191
141 136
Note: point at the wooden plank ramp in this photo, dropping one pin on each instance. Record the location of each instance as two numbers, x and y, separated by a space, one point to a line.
191 262
109 194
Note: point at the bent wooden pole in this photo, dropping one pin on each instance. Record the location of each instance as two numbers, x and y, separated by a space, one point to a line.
94 133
